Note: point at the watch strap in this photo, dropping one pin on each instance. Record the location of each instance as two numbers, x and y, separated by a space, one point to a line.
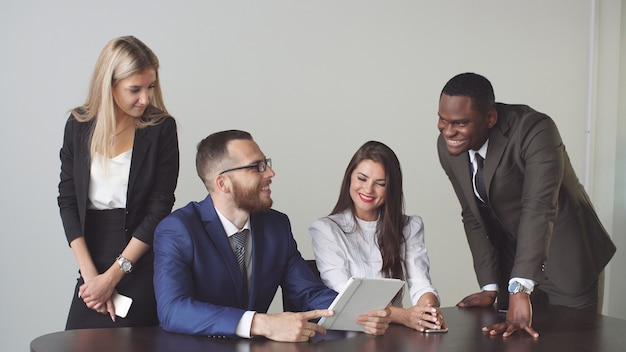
517 287
125 264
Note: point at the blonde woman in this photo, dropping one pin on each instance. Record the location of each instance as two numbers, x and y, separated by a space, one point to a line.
119 168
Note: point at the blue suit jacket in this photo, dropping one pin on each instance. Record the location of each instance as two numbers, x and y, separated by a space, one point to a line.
197 282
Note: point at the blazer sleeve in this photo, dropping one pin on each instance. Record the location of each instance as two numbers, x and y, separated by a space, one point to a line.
484 255
164 177
543 154
178 309
67 199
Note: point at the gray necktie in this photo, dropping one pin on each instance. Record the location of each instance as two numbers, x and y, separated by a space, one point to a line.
239 248
479 180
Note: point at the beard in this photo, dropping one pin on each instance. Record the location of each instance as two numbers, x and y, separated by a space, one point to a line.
249 199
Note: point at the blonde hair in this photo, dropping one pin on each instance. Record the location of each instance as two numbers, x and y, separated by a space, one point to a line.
121 58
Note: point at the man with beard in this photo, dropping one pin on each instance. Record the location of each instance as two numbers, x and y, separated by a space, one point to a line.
218 263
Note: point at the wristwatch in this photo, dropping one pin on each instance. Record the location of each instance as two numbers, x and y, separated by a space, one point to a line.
125 264
517 287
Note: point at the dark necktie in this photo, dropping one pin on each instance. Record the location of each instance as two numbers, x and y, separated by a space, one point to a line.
479 179
238 242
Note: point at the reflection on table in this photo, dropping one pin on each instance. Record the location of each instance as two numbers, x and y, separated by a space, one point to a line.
561 329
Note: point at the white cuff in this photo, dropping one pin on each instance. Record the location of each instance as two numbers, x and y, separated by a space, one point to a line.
490 287
528 283
245 324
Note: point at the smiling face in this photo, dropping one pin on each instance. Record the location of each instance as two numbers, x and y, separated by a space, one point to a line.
462 126
132 94
368 189
250 188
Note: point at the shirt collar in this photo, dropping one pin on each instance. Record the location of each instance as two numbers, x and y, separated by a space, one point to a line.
482 151
229 227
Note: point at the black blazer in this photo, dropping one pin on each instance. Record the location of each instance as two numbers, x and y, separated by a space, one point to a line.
152 181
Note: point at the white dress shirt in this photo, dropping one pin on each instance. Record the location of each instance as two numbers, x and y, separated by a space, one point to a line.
343 250
108 186
472 156
245 323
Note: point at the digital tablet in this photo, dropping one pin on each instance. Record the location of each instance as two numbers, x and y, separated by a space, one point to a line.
359 296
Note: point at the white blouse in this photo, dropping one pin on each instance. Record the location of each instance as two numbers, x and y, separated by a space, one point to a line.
340 255
107 188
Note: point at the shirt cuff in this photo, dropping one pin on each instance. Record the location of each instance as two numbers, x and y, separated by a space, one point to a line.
528 283
490 287
245 324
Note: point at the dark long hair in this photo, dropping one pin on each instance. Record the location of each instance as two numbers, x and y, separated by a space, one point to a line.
391 219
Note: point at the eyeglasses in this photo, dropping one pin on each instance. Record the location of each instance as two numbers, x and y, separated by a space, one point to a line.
260 166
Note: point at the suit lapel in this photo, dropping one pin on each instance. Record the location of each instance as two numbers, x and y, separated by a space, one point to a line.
497 143
215 232
257 232
461 166
82 168
141 146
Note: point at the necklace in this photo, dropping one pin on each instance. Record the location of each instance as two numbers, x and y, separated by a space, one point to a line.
118 133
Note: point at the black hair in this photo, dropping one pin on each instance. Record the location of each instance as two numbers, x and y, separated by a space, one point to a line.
472 85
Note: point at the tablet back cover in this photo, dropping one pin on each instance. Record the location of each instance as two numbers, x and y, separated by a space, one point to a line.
359 296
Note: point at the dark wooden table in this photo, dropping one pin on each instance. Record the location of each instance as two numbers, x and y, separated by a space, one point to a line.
561 329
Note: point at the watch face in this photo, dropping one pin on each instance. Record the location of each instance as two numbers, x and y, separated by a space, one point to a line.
126 266
517 287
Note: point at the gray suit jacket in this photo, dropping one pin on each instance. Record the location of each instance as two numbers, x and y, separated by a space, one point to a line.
536 196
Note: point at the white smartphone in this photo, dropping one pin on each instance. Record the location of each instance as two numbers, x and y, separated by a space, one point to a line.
431 331
122 304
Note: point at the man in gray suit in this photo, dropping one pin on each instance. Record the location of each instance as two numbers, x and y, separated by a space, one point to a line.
529 223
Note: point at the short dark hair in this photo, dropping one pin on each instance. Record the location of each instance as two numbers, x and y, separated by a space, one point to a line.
472 85
212 151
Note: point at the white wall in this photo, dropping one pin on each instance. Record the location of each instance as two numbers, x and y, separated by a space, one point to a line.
611 149
312 81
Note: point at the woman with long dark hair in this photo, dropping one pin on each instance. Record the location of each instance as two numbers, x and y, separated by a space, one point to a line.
368 235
